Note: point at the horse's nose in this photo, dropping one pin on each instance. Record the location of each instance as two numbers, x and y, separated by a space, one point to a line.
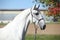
44 27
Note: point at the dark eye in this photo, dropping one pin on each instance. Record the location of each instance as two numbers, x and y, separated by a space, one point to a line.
36 13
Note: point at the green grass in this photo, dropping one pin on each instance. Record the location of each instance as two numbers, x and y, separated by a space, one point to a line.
43 37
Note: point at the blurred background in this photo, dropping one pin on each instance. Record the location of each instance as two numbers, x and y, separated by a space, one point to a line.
49 8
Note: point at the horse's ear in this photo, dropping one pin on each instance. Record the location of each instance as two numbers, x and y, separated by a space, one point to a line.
37 7
34 6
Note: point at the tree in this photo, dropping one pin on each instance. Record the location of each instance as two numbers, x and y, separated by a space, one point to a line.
54 6
50 2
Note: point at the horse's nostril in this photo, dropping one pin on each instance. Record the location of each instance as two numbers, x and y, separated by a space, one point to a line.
44 27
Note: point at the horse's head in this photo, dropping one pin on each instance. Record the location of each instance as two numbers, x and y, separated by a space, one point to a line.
37 18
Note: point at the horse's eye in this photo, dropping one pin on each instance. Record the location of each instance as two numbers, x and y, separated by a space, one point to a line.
36 13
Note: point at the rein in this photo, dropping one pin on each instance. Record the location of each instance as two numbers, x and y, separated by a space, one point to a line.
35 28
35 33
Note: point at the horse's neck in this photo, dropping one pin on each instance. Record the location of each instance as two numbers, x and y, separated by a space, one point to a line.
19 19
22 15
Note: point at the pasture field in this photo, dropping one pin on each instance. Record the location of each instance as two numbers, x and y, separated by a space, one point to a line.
43 37
52 32
51 29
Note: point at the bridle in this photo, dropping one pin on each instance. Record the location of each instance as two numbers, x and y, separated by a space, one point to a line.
36 18
35 25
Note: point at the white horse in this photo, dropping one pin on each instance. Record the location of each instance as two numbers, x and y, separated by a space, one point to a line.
16 29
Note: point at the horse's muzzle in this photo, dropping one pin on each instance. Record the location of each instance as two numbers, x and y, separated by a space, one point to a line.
43 27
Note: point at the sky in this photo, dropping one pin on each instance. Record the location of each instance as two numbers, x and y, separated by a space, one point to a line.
18 4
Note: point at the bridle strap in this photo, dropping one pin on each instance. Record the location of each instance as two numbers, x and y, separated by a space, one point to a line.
34 27
38 19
